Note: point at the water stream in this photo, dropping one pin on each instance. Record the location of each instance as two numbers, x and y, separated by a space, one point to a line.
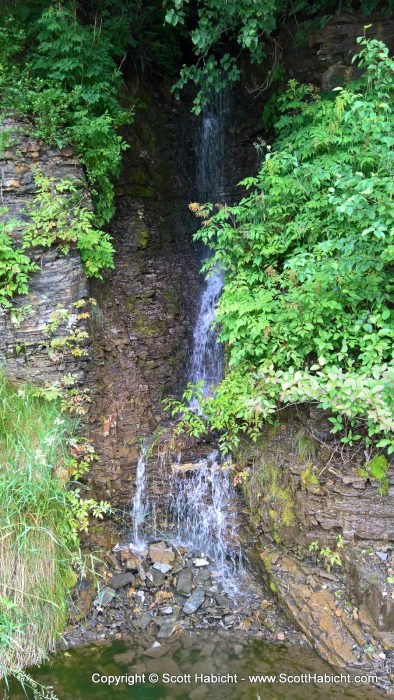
201 500
140 503
207 355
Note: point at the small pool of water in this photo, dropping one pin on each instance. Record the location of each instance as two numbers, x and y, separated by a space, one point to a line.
229 660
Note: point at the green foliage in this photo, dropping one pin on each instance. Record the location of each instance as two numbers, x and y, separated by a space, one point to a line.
376 469
58 217
220 30
15 266
248 22
68 81
305 311
327 556
40 519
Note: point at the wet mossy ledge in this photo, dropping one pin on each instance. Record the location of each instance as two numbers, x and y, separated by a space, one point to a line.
299 487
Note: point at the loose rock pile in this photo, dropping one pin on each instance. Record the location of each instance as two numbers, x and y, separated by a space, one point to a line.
168 589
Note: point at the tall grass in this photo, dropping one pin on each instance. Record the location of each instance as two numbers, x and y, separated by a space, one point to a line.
37 542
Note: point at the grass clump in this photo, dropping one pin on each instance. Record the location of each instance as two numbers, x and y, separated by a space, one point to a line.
38 530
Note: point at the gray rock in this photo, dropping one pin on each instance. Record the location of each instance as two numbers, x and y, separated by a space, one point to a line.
222 600
105 596
229 619
156 650
194 601
382 555
145 620
166 629
164 568
155 578
133 562
120 580
184 582
200 561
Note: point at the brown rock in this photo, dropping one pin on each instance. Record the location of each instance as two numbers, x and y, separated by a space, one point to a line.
160 553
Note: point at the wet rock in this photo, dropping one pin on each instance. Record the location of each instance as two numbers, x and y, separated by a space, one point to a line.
382 555
222 600
199 561
154 578
105 597
202 577
167 610
121 580
229 619
160 553
338 639
145 620
162 596
164 568
156 650
132 561
184 582
112 560
186 467
194 601
167 629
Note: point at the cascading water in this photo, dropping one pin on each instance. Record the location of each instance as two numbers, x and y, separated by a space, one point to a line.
203 499
207 356
140 501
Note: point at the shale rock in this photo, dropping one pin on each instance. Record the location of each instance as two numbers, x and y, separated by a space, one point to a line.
160 553
194 601
120 580
184 582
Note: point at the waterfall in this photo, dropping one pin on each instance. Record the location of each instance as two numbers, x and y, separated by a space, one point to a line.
201 501
203 498
207 355
200 504
140 501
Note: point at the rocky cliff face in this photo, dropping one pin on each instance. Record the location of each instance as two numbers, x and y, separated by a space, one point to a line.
60 280
325 58
146 305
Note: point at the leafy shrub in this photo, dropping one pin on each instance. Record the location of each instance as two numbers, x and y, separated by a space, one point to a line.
68 81
305 311
15 265
58 217
221 30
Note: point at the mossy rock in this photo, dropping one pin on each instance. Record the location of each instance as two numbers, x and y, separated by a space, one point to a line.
309 480
143 238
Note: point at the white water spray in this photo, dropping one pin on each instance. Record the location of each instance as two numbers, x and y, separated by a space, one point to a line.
203 498
140 501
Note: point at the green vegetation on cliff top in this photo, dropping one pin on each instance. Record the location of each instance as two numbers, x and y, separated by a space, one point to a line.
306 309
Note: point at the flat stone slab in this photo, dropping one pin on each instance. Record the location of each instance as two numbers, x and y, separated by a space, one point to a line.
120 580
105 596
184 582
200 561
159 553
194 601
166 629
